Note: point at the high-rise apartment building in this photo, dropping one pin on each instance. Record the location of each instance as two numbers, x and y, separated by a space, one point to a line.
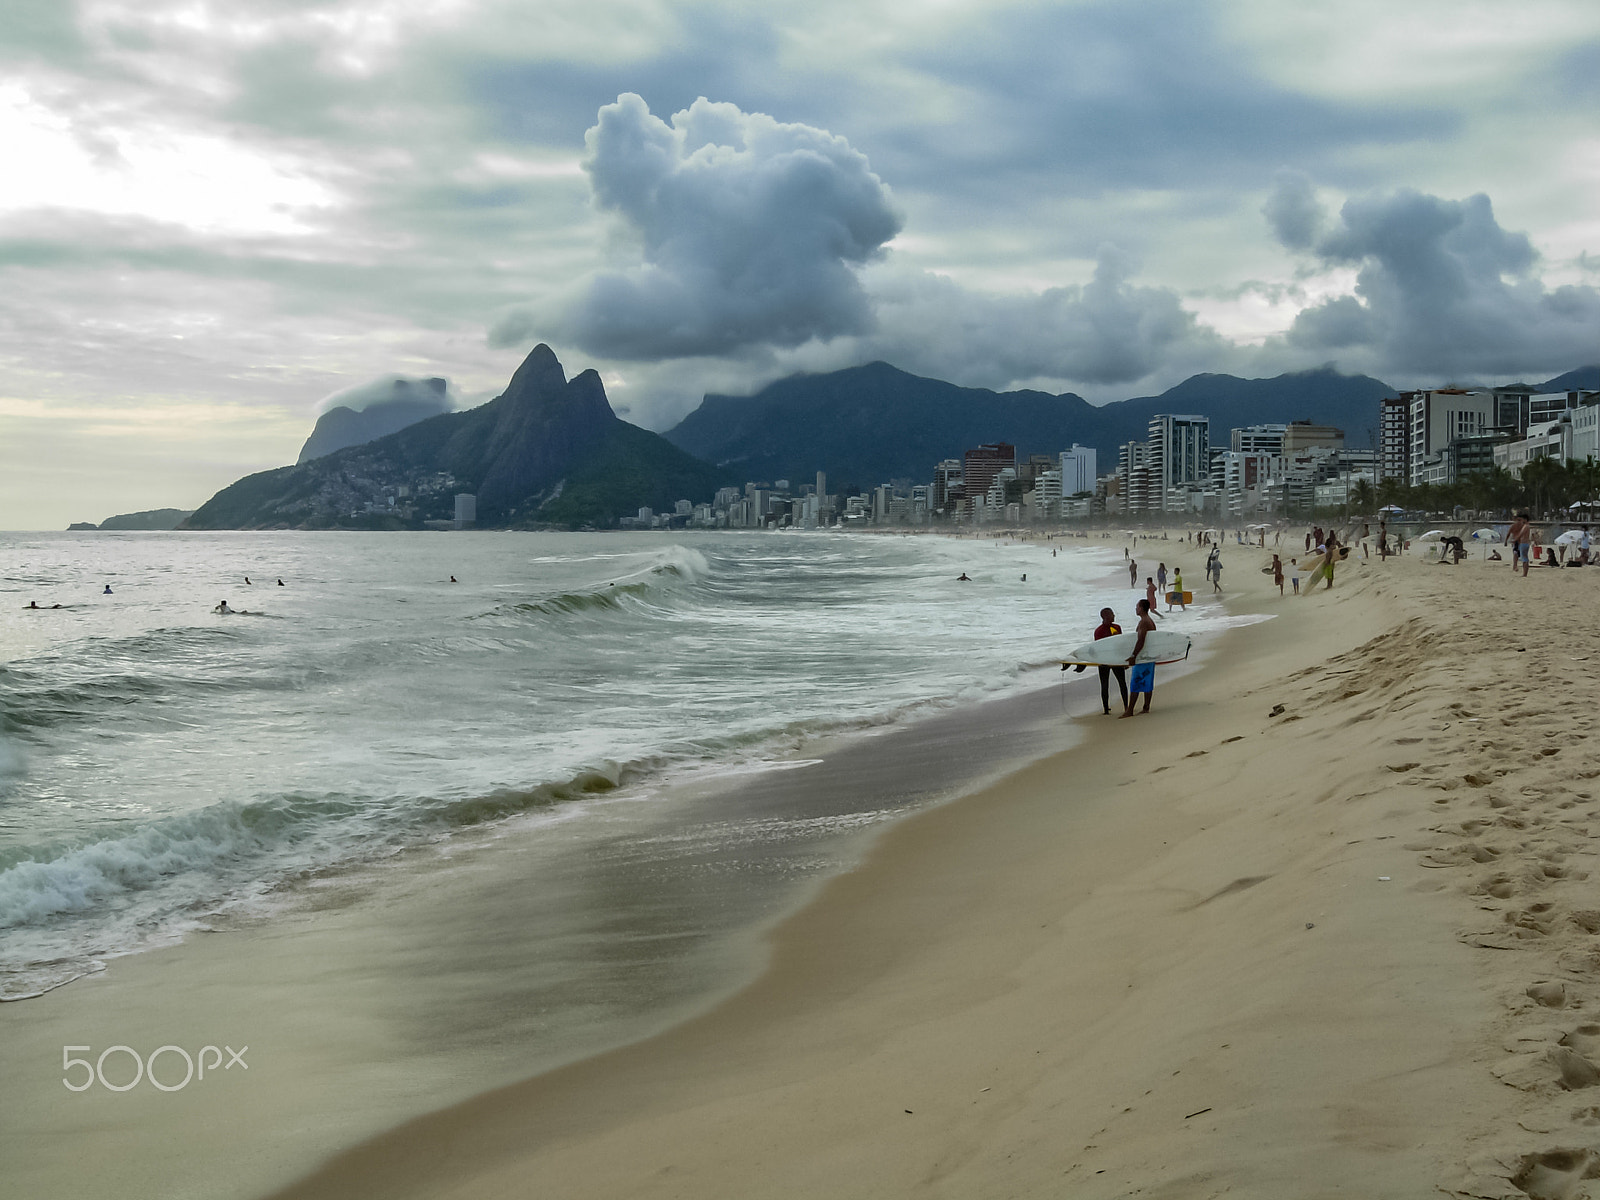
1077 470
1437 418
1257 439
1180 454
1394 439
947 485
979 467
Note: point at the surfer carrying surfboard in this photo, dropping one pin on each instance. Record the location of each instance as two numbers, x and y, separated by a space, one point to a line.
1143 676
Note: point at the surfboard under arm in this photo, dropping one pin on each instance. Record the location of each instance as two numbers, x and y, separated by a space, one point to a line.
1161 646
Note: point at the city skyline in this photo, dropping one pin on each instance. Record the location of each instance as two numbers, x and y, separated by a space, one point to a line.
221 218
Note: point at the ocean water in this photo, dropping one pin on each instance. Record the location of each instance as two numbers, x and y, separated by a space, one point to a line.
161 764
163 767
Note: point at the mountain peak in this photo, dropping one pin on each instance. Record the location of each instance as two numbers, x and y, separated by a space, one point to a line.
540 374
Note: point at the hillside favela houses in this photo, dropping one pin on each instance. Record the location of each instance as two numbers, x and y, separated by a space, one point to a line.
1183 468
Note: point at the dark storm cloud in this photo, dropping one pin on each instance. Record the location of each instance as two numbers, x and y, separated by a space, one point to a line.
708 52
748 231
1109 95
1293 211
1442 288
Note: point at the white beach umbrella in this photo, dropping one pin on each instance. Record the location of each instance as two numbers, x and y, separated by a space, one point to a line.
1485 535
1391 508
1430 535
1570 538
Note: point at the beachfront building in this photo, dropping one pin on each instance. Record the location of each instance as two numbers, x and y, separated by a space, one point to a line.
1547 439
1394 439
1303 435
1077 470
466 510
1180 458
1438 417
1586 431
981 465
1239 478
948 489
1135 477
1257 439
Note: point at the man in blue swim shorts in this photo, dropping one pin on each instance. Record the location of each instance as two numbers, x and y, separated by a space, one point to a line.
1143 676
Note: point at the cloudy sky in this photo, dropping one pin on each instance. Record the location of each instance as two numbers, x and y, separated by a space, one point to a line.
215 215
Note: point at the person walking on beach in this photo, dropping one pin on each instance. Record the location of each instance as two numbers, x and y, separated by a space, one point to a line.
1133 573
1216 575
1294 574
1161 577
1150 595
1518 537
1107 627
1277 573
1177 590
1143 676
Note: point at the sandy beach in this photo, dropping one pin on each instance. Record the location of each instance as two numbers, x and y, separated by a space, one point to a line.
1320 925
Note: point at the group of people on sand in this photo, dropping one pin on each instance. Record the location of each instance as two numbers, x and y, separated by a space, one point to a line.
1134 679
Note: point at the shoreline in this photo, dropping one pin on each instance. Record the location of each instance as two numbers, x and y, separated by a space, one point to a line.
1242 981
375 1001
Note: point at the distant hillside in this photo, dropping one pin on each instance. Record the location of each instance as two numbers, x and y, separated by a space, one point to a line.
155 518
1582 379
545 452
865 425
412 401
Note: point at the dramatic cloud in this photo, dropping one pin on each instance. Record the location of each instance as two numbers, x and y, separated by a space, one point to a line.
1440 288
1293 211
747 230
228 211
1104 332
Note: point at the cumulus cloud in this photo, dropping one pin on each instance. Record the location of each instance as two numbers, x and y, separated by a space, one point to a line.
1293 210
1106 331
747 231
1440 287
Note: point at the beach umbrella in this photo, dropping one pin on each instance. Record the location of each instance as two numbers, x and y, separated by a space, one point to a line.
1391 508
1485 535
1570 538
1430 535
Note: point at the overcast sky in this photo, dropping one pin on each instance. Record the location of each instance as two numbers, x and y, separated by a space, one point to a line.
214 216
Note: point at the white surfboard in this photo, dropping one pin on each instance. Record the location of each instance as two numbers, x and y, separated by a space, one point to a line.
1159 647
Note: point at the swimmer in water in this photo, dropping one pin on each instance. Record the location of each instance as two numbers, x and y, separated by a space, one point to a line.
962 578
247 581
107 592
280 583
452 579
31 604
222 607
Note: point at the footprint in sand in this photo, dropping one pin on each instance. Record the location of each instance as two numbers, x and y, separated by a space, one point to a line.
1551 993
1556 1174
1586 919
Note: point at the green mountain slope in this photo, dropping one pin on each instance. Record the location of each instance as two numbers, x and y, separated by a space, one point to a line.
548 451
865 425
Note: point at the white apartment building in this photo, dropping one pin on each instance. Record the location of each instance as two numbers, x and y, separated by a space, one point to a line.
1548 439
1436 418
1257 439
1077 470
1180 455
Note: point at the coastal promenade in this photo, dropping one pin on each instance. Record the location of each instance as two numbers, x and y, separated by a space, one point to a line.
1321 924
